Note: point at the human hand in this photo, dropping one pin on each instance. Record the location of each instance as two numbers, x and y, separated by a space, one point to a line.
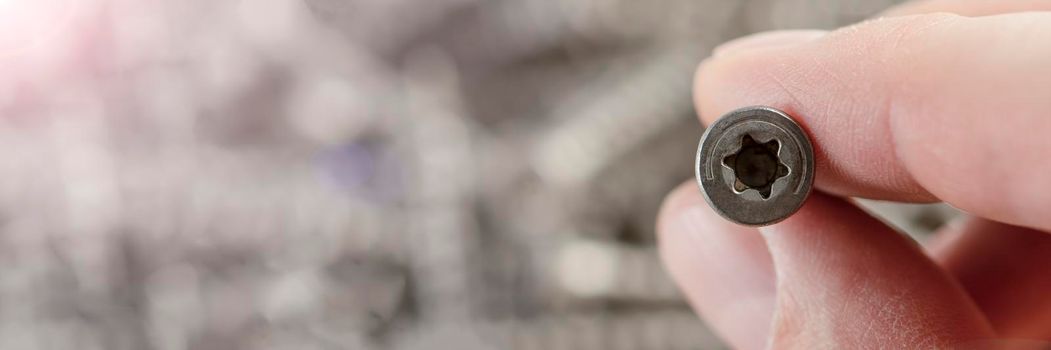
918 108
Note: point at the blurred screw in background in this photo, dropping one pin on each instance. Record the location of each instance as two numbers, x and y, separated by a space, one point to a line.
323 174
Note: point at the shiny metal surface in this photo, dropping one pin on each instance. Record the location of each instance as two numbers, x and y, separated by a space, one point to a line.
755 166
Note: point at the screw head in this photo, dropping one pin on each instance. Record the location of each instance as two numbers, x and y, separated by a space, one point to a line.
755 166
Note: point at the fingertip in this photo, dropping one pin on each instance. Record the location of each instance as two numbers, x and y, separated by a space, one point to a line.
767 40
723 269
682 210
719 75
689 231
698 88
685 219
683 196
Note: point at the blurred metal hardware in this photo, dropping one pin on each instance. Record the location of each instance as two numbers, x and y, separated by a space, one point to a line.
755 166
334 174
600 128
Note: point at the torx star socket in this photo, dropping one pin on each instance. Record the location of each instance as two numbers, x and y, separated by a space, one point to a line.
755 166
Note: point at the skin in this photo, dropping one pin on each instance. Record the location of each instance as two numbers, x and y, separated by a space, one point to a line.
915 106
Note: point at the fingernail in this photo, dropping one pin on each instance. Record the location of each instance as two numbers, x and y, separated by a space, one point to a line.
767 40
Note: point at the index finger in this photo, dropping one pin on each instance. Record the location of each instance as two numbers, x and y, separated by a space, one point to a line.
918 108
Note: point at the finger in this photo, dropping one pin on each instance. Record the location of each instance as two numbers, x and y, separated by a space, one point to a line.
723 269
968 7
912 108
1006 270
846 280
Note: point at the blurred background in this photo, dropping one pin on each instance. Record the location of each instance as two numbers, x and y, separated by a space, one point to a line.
356 174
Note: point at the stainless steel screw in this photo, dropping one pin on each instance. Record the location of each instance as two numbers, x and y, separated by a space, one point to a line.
755 166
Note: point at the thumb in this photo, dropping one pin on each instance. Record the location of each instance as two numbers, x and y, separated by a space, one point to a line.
846 280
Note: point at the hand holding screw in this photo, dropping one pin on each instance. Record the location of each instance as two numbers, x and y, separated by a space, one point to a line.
953 109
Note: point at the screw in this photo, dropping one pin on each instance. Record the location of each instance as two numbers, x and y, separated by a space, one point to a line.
755 166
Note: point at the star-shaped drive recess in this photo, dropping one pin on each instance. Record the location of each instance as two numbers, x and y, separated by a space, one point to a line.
756 166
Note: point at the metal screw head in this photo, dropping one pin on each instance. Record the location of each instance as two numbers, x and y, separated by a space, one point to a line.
755 166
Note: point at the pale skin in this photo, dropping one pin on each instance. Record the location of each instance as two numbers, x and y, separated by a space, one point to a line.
935 101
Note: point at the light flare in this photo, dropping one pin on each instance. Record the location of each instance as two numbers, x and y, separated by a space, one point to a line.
25 24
